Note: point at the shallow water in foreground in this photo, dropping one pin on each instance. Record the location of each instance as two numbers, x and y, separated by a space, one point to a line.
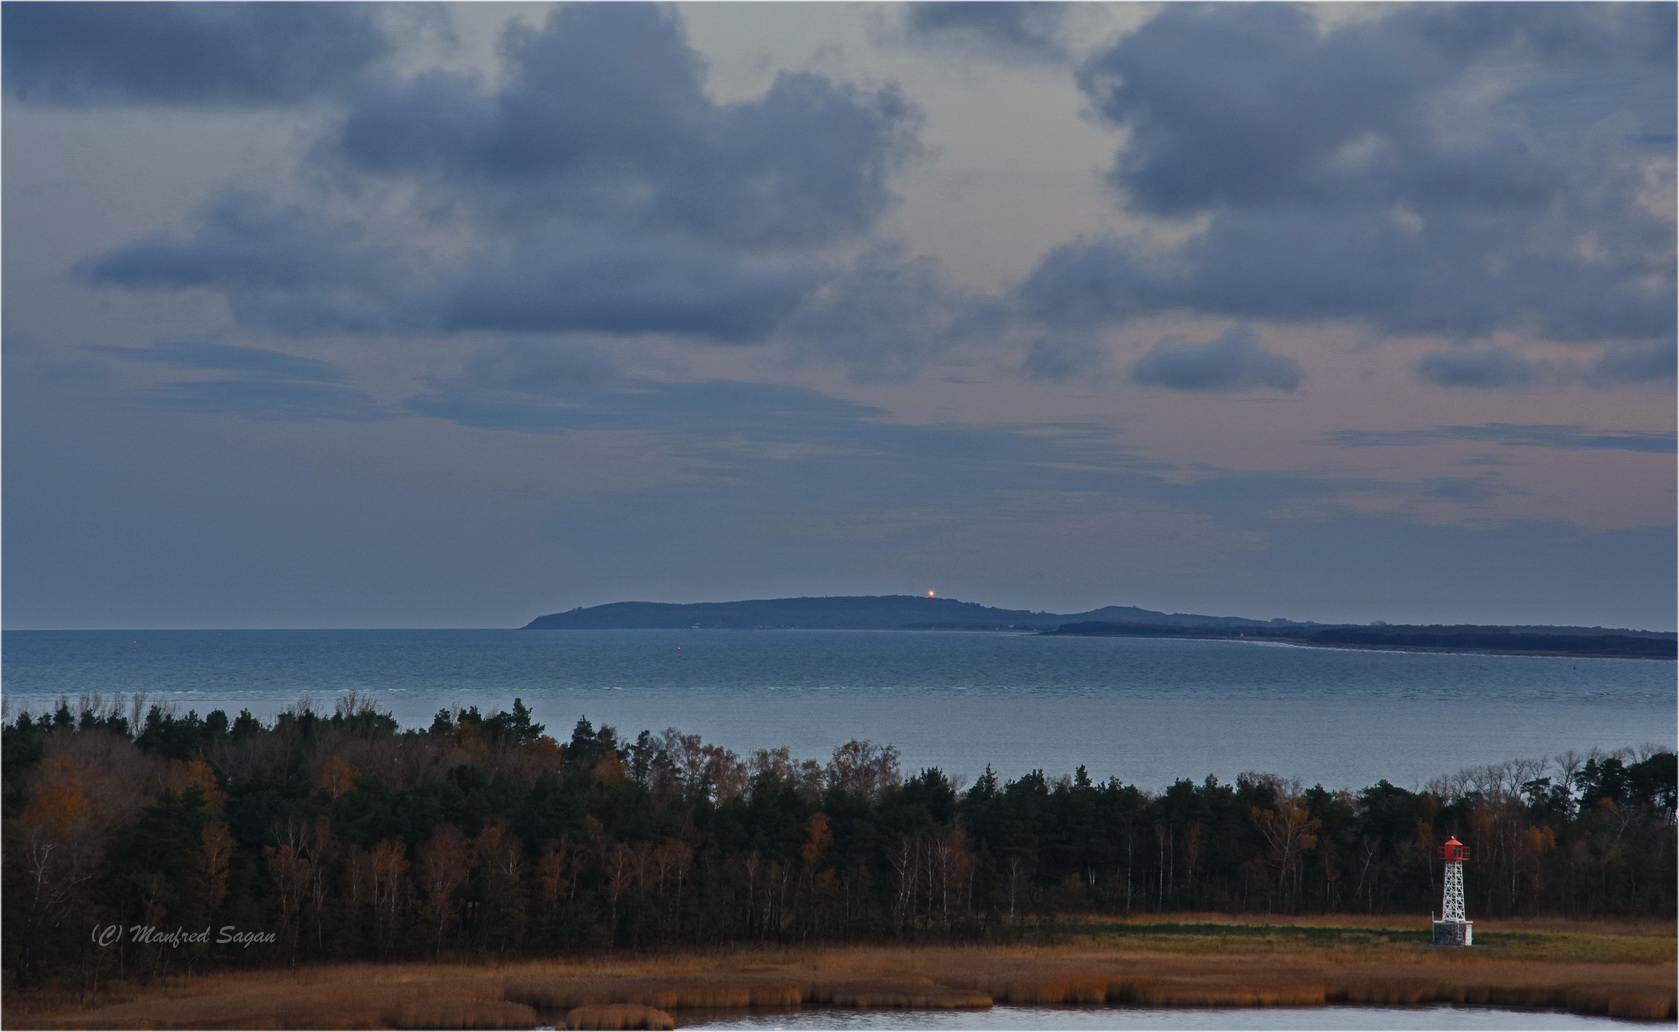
1094 1018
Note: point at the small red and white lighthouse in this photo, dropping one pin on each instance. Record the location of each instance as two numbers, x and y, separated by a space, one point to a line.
1453 928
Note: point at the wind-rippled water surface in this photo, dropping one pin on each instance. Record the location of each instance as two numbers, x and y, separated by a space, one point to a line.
1147 711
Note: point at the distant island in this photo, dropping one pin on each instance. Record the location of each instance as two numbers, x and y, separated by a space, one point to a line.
920 613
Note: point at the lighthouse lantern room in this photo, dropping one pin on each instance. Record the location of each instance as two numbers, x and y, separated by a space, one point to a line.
1453 928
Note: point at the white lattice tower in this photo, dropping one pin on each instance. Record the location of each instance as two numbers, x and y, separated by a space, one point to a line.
1451 905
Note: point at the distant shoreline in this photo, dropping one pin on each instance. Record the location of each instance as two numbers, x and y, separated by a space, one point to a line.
928 613
1168 635
1401 640
1443 650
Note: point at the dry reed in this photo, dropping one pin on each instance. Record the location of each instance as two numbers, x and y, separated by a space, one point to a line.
1140 970
1631 1002
738 992
894 994
614 1016
360 1018
1219 993
463 1014
1052 989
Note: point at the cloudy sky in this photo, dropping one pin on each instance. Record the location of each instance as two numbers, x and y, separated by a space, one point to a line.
405 316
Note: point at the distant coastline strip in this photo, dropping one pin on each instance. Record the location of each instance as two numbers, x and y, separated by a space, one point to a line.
1432 639
918 613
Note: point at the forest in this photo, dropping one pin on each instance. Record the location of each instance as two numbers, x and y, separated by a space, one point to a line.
323 837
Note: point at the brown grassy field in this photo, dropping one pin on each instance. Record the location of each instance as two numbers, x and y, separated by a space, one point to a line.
1624 970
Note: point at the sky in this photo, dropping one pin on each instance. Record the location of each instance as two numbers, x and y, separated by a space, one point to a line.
400 315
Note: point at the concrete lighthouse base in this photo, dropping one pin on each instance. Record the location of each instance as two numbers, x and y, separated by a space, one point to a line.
1454 933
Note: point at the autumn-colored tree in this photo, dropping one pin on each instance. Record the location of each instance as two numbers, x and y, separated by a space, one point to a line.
497 854
290 874
210 866
62 847
553 873
337 775
388 882
819 836
58 799
1290 831
619 863
441 867
864 769
673 861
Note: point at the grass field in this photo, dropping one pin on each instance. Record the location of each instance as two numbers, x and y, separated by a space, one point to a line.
1647 942
1624 970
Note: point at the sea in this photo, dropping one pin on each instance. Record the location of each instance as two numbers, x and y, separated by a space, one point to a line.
1145 711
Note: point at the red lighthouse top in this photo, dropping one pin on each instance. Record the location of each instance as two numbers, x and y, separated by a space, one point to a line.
1454 850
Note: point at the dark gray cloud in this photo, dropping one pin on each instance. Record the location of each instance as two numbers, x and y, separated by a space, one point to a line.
1233 361
243 240
281 267
1061 359
220 54
1235 105
1480 367
1008 28
1542 436
1443 168
614 197
1656 362
886 316
603 114
582 277
285 268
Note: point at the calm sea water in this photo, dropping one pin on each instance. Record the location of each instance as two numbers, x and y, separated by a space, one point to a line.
1145 711
1147 1018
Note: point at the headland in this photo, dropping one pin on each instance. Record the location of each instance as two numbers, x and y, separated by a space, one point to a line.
924 613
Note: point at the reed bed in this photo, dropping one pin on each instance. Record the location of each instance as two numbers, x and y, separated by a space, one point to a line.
1197 980
1140 970
1635 1001
742 991
1218 993
954 978
357 1018
667 993
1632 1002
894 994
614 1016
465 1014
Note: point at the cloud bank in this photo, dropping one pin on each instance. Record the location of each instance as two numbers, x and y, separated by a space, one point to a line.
189 54
1232 362
1413 171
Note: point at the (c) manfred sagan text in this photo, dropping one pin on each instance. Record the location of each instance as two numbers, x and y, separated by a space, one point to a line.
150 935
